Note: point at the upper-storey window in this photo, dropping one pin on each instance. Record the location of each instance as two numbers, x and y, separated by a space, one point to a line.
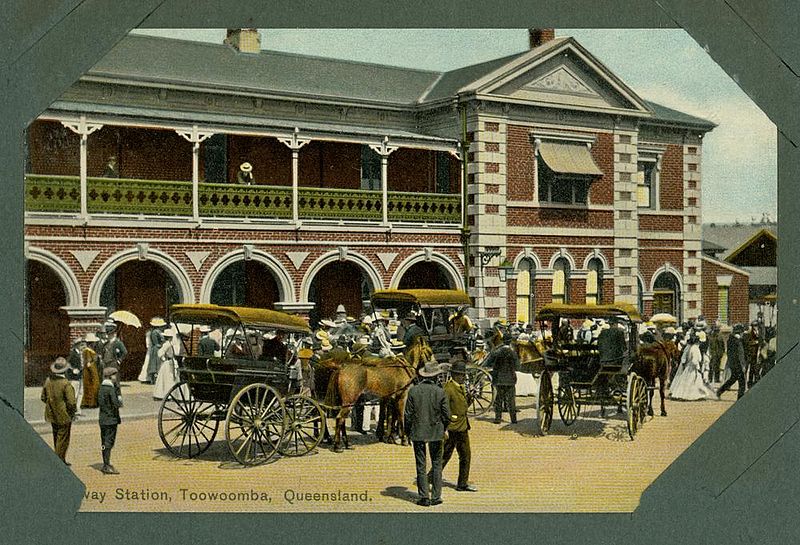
564 172
647 176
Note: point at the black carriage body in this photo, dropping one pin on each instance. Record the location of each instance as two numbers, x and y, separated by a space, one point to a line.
217 380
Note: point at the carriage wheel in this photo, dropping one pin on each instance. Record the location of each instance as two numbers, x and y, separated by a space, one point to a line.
305 426
632 404
187 427
544 404
480 393
255 424
643 400
568 406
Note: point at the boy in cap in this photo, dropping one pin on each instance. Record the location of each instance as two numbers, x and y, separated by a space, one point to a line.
59 406
109 401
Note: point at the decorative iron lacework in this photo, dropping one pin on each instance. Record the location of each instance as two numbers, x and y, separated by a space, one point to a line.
131 196
234 200
52 193
424 207
326 203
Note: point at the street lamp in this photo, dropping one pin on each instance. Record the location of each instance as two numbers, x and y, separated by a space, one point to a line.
506 270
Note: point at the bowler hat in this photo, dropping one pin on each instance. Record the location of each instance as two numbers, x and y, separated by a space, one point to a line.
59 366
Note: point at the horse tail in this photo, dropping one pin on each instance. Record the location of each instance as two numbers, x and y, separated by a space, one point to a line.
332 396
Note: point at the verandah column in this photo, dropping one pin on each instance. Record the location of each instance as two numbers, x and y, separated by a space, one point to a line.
83 129
295 143
195 137
384 150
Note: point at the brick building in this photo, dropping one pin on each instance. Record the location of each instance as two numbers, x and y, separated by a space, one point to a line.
365 177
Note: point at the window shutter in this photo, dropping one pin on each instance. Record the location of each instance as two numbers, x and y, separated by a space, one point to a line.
523 295
591 287
722 306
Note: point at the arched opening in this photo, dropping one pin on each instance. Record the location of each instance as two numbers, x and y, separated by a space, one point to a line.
561 280
594 282
46 325
667 295
145 289
526 309
426 275
338 283
247 284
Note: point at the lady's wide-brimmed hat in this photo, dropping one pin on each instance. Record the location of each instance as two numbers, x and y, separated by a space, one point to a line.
157 322
59 366
246 167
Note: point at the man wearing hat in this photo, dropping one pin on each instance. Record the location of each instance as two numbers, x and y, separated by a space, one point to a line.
58 397
245 174
752 345
736 362
426 417
155 338
90 374
109 400
716 349
413 329
458 428
114 350
504 364
341 316
207 346
75 372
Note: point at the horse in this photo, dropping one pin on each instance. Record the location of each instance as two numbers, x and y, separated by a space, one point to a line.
655 362
388 378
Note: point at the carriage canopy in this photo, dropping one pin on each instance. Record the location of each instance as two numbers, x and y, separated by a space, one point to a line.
424 298
233 316
560 310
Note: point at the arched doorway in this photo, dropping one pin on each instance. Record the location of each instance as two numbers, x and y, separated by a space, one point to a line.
247 284
145 289
426 275
338 283
46 325
667 295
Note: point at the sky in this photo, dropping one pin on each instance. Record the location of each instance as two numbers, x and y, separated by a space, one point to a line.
665 66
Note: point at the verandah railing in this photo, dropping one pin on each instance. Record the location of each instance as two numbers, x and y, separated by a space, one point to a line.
169 198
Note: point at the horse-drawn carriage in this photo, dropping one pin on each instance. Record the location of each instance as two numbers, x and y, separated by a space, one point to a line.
441 316
584 375
240 387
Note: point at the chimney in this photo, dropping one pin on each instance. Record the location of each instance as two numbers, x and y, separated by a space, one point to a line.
244 40
539 36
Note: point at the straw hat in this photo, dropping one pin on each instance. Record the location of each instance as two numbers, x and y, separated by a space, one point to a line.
670 330
169 332
305 353
367 320
587 323
157 322
91 337
341 310
523 337
204 328
327 323
322 335
350 320
432 369
246 167
397 344
59 366
326 345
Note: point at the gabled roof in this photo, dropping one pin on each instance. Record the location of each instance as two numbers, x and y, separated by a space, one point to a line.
734 236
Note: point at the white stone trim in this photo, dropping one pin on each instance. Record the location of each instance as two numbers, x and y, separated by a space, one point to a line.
596 254
563 252
452 269
668 268
527 253
169 263
279 273
332 257
69 281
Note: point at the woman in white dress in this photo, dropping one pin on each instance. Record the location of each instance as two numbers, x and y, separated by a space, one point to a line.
688 384
168 372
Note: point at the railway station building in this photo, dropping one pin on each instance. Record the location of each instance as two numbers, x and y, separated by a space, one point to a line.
532 178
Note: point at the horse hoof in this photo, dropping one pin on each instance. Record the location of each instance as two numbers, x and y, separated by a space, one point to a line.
663 413
650 412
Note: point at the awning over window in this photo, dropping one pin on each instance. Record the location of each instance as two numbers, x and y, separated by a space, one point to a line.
570 158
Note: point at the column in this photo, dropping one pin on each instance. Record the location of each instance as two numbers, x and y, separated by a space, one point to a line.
692 230
195 136
626 216
83 320
384 150
83 129
295 143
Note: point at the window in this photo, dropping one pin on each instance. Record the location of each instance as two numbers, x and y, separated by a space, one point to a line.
442 172
370 169
561 281
723 304
525 291
646 184
216 158
594 283
561 188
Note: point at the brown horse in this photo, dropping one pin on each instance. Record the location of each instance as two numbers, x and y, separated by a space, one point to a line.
388 378
655 362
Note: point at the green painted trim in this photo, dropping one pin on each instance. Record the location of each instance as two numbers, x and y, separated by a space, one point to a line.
344 204
424 207
134 196
235 200
45 193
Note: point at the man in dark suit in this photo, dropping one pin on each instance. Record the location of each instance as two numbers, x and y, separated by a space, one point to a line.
427 414
736 362
458 429
207 346
611 344
504 363
109 400
114 350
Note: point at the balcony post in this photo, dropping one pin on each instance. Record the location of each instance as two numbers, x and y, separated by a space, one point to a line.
295 143
384 150
83 129
195 137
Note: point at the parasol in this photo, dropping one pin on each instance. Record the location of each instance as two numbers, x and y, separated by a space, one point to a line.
125 317
664 318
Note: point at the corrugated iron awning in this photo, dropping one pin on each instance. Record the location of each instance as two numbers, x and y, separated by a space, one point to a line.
569 158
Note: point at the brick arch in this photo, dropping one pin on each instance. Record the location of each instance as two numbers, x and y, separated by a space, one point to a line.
281 276
331 257
169 264
69 281
445 262
530 255
667 268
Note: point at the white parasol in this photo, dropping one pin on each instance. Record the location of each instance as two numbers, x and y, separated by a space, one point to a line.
125 317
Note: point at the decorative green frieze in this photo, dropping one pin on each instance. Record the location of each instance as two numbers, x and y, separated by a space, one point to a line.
336 204
132 196
424 207
253 201
52 193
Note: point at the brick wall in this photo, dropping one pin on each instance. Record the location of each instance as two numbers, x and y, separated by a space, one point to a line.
671 179
560 217
520 169
271 159
53 149
650 260
602 190
737 295
652 222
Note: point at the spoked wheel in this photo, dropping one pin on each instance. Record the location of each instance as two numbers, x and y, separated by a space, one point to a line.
632 404
643 399
568 406
187 427
544 403
480 394
305 426
255 424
